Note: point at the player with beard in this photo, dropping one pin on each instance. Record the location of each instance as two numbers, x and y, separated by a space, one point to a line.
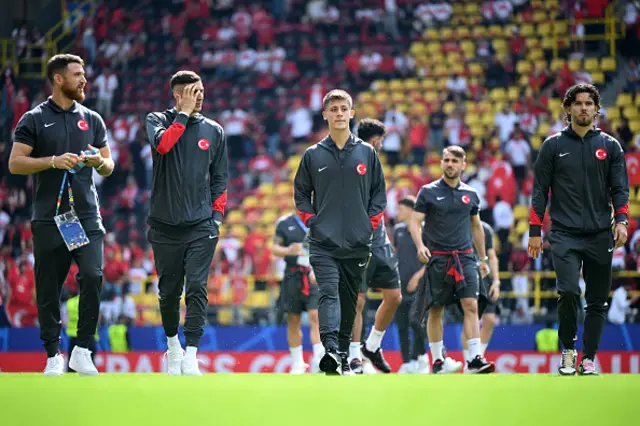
50 141
585 171
445 226
382 273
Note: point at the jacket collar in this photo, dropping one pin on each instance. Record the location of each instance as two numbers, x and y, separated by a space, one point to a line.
57 108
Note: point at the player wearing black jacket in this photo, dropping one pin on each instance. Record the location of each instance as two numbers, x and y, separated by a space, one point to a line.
340 194
188 197
585 170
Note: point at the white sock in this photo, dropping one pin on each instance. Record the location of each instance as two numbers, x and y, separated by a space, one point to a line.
465 353
354 351
173 342
296 355
318 350
484 347
191 351
475 347
436 351
374 339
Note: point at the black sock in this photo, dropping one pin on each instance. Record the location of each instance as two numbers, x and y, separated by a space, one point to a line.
52 348
568 319
593 326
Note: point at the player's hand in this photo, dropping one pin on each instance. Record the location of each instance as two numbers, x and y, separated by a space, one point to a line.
535 247
312 278
484 269
494 290
424 254
66 161
620 234
93 160
296 249
186 102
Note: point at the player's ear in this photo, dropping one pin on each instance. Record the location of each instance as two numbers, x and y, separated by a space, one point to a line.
352 113
324 115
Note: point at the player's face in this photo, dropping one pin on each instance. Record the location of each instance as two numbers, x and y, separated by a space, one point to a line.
376 142
199 96
72 82
452 166
338 113
583 110
404 212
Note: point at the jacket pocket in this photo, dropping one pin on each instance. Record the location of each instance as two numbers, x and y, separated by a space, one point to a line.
359 232
321 231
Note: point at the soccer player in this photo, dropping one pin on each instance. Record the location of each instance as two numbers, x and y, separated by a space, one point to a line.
586 172
49 141
488 308
382 273
299 290
340 195
414 358
188 197
449 210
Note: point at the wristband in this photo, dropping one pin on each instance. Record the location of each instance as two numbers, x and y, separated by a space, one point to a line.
53 162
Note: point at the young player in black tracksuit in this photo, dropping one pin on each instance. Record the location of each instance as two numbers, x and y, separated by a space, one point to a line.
340 194
188 197
585 171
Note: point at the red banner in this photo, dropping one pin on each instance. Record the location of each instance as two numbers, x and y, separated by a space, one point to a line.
633 167
280 362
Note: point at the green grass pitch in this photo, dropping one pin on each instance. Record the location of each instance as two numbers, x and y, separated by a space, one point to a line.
282 400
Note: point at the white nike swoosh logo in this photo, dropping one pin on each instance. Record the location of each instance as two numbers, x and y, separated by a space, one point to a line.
564 153
49 124
610 250
291 228
211 237
440 198
322 168
362 264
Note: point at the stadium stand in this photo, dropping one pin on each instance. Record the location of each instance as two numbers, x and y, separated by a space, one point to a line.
486 75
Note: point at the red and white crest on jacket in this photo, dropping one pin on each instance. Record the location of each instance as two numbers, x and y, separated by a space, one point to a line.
601 154
466 199
203 144
361 169
83 125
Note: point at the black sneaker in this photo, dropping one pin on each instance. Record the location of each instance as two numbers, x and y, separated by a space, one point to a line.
437 366
356 366
376 358
345 369
330 363
479 365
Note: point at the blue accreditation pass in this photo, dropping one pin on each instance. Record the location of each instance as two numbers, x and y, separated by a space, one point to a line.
68 223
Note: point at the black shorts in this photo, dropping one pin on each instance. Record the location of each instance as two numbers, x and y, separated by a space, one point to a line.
293 300
382 271
485 304
441 289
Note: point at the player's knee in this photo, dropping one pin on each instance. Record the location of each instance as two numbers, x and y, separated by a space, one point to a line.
599 308
393 297
360 303
489 320
293 320
312 315
92 277
436 312
469 306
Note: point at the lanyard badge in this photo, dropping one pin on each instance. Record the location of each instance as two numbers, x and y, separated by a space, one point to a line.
68 223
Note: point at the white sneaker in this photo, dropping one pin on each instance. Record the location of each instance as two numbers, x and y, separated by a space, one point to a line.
190 366
407 368
55 366
174 361
451 366
299 368
81 362
568 362
315 365
368 368
423 365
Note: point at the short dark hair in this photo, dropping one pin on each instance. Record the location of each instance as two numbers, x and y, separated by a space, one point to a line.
184 77
58 63
337 95
369 128
572 93
456 151
409 201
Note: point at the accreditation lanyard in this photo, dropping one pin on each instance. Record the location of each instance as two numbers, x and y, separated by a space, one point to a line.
68 182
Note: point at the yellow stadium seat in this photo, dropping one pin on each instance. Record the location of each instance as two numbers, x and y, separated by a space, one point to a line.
591 64
475 69
637 100
382 97
411 84
522 82
630 112
233 217
520 212
479 31
431 97
544 29
477 131
540 16
225 316
560 27
257 299
395 85
380 85
449 107
522 227
428 84
430 34
498 95
608 64
266 188
250 201
446 33
575 65
624 99
536 142
418 108
434 170
417 48
543 129
535 54
472 120
293 162
524 67
598 77
634 126
471 9
527 30
557 64
488 119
